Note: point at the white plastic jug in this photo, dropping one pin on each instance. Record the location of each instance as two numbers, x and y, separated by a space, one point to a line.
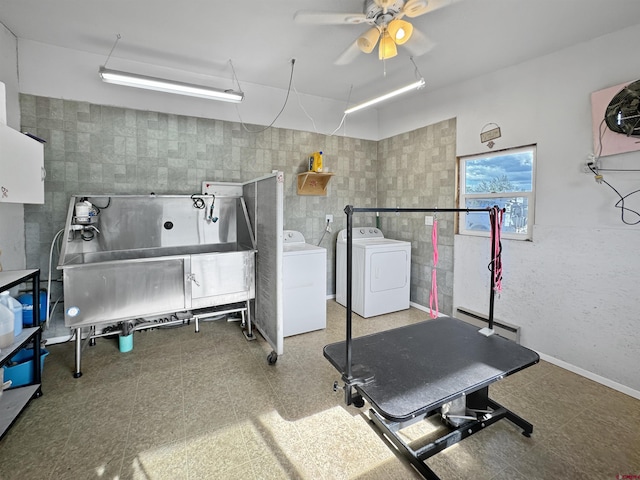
6 326
16 307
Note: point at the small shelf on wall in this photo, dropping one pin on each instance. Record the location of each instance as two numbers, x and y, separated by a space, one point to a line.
312 183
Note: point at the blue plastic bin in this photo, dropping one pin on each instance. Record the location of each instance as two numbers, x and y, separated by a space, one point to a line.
26 299
21 374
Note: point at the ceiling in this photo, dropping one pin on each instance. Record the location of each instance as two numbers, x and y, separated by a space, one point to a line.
469 37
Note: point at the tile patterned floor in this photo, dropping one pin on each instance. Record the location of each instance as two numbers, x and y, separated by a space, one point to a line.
208 406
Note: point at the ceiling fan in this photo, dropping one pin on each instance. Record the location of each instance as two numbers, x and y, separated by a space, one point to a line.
388 28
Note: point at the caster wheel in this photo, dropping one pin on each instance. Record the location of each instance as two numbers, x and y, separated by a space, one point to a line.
77 374
272 358
358 401
526 434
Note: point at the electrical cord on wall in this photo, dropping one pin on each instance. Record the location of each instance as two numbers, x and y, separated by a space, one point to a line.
315 129
594 160
293 62
326 229
290 87
53 243
620 203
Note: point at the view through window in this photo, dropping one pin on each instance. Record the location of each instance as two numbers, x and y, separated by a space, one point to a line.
506 179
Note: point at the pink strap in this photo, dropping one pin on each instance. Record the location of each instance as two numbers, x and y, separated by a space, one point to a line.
496 217
433 295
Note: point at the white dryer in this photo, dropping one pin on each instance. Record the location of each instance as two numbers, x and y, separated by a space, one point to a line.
304 285
381 272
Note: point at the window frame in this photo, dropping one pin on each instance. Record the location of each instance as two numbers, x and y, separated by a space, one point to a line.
528 195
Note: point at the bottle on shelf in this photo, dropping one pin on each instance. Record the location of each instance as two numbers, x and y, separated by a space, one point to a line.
7 326
16 308
315 162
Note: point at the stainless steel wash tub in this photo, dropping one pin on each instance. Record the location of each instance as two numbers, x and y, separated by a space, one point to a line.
143 256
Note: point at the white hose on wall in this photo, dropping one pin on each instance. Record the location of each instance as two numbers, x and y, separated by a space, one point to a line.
53 242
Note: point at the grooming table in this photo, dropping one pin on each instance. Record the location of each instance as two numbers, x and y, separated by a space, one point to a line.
407 374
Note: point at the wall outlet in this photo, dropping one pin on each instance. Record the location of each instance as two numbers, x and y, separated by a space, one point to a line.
428 220
328 218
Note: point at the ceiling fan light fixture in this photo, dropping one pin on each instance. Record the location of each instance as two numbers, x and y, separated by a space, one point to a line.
168 86
414 8
387 48
400 31
368 40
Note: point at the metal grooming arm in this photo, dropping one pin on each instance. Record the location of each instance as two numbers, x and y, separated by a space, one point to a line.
358 374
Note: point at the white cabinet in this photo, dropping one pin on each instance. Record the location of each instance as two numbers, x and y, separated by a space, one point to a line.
21 167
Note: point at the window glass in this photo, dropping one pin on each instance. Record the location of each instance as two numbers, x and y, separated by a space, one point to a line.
505 179
503 173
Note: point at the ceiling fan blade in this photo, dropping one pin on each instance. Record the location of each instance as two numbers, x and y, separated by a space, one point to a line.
415 8
419 44
328 18
349 55
384 4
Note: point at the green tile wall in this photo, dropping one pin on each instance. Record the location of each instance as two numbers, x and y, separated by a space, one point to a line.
417 170
97 149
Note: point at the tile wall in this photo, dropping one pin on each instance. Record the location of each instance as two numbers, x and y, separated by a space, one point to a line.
417 170
97 149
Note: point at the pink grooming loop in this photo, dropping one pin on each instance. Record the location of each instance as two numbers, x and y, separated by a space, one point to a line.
433 296
496 217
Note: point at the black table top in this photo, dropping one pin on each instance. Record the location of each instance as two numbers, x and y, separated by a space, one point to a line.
419 367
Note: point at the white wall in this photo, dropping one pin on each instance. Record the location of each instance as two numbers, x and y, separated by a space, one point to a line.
573 290
11 214
57 72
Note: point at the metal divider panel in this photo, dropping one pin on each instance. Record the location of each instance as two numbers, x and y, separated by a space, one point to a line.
266 207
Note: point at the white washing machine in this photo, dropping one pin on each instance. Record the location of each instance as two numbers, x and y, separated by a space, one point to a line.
381 272
304 285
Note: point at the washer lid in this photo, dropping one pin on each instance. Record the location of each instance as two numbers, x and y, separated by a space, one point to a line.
302 249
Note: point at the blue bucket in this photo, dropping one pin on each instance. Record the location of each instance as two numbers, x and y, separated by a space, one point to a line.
26 299
21 373
125 343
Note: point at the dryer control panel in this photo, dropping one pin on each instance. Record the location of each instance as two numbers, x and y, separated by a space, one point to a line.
359 233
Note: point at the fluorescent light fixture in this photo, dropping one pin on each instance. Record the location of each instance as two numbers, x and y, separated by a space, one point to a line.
414 86
168 86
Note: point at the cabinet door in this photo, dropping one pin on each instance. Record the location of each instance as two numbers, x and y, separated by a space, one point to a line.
21 168
221 278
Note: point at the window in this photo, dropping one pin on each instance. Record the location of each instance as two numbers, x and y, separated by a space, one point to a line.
504 178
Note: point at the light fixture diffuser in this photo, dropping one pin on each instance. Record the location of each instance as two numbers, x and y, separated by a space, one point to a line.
387 47
400 31
169 86
367 41
414 86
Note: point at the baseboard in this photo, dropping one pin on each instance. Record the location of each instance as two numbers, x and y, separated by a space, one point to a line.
425 309
591 376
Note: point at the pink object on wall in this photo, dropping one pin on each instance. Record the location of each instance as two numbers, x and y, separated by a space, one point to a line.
605 141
